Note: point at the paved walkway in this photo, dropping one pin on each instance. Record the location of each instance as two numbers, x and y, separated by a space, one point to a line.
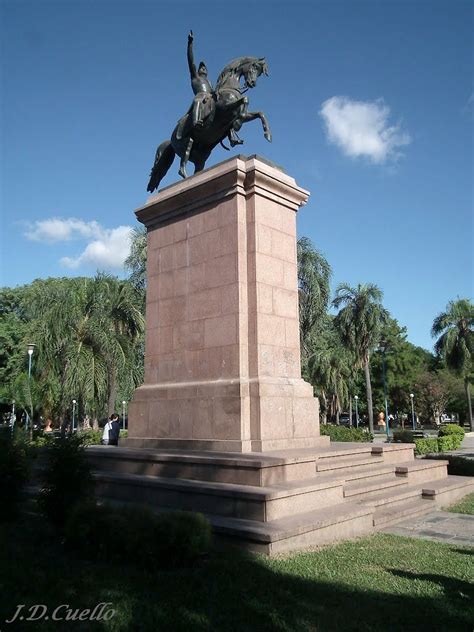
443 526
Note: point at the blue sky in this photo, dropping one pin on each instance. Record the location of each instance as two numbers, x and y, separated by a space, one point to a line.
371 107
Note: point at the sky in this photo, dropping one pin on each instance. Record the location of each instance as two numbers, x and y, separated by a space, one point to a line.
371 106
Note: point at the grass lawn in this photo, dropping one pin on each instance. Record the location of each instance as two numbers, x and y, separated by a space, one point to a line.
380 583
464 506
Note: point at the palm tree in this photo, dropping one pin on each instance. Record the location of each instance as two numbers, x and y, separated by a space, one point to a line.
136 260
121 323
360 322
455 328
329 373
314 273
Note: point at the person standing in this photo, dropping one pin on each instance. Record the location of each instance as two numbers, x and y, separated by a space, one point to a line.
111 432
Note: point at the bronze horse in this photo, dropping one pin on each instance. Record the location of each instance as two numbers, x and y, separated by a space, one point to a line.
226 111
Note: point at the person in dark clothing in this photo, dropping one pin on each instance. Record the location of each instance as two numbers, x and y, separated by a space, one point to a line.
111 431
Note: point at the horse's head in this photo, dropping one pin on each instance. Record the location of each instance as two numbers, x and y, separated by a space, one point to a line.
253 70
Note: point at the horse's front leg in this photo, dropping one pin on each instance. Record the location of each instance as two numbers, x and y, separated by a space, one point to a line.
251 116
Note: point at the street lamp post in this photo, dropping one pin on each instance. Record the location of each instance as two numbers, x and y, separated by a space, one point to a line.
73 413
383 348
350 411
31 348
13 418
356 399
412 412
124 403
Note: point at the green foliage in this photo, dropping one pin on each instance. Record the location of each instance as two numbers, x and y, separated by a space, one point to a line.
342 433
314 274
403 436
14 472
426 446
360 322
451 429
89 344
137 535
67 479
90 437
136 260
446 443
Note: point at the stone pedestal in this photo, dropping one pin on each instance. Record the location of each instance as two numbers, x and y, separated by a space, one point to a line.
222 359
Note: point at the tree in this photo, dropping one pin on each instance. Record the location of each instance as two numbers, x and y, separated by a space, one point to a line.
432 395
314 274
360 323
136 260
455 344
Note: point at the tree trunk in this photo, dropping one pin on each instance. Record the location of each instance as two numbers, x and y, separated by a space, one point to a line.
324 416
350 412
112 390
368 387
469 404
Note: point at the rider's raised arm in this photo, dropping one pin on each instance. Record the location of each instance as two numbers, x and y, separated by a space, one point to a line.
192 67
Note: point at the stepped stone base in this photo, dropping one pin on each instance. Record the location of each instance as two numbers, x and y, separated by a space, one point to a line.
281 500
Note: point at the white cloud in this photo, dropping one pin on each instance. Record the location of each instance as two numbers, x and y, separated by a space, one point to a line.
361 129
105 248
56 229
109 251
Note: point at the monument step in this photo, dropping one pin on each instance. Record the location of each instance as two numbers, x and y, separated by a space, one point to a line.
314 528
368 487
421 470
446 491
342 465
253 468
391 514
394 496
226 499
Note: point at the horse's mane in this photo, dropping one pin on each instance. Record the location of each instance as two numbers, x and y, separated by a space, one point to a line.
233 68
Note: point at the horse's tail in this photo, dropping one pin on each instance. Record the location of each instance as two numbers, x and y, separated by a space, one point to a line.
163 160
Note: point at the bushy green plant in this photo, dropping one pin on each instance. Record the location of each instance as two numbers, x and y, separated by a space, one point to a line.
67 478
123 434
91 437
455 432
137 535
446 443
426 446
14 473
403 436
342 433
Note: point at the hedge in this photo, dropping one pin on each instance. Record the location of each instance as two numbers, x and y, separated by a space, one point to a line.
342 433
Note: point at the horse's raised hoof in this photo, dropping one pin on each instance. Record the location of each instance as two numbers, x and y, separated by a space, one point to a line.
233 143
268 136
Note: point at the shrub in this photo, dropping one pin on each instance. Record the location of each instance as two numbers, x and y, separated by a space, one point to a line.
426 446
137 535
455 432
341 433
90 437
67 478
403 436
446 443
14 473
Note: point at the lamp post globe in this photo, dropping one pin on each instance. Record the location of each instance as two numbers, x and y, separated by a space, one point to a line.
30 348
412 397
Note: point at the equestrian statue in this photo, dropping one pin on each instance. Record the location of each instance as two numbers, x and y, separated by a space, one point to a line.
215 114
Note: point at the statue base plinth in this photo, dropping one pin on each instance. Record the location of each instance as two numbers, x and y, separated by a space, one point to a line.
222 359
